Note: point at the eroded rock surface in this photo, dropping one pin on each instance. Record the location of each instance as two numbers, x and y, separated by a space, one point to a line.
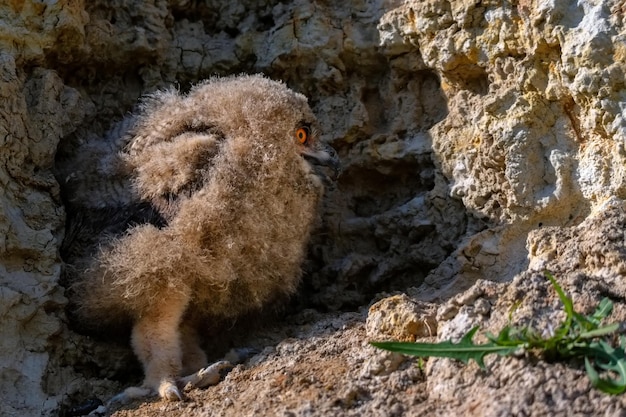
36 113
588 261
481 142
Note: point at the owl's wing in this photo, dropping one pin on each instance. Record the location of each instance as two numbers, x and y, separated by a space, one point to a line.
166 172
138 173
171 150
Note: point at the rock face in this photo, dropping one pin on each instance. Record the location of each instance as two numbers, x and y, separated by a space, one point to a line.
36 113
481 143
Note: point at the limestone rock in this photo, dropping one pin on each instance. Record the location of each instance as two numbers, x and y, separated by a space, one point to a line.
588 262
400 318
37 112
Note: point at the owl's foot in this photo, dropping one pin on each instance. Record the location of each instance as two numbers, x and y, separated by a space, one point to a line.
205 377
128 395
168 388
169 391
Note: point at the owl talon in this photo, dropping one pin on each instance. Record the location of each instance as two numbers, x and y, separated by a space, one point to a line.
170 392
128 395
205 377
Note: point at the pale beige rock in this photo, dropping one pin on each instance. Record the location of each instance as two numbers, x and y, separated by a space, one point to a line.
33 31
399 318
519 119
588 261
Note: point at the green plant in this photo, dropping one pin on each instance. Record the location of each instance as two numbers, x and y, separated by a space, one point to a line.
578 336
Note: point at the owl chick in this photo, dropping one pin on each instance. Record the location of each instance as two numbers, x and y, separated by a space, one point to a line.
207 202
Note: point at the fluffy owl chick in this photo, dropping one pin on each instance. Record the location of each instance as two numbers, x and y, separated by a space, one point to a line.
230 174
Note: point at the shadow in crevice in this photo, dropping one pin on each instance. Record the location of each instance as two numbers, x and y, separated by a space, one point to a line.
390 219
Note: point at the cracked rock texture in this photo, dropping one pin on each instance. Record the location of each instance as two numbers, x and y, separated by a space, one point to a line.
481 143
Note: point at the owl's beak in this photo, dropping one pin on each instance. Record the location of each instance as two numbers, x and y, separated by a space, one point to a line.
324 160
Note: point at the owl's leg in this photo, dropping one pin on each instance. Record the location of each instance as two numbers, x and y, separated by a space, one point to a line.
194 357
156 340
197 373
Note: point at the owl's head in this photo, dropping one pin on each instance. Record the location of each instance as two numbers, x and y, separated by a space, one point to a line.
267 112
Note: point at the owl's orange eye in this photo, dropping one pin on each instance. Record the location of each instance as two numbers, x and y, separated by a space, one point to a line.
302 134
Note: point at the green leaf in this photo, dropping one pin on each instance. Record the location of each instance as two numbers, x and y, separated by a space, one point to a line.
603 310
568 305
464 350
602 331
608 385
511 336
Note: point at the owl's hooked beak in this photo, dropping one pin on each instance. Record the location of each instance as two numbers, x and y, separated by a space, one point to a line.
324 160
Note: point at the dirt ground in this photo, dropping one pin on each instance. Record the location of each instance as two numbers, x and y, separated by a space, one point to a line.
330 371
